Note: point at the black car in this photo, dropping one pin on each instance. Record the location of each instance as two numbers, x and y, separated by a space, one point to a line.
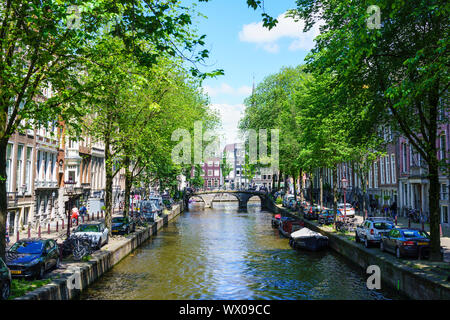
406 242
122 225
5 281
31 258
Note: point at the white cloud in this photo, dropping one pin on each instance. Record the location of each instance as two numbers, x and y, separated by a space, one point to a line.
225 88
286 28
230 115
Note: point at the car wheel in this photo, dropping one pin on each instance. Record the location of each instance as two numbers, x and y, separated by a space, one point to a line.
398 253
41 272
6 290
366 243
99 244
382 246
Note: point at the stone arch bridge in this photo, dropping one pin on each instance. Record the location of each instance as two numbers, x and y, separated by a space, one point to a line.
241 195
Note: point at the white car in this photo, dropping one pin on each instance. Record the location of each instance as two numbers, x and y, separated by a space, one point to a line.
349 210
371 230
96 231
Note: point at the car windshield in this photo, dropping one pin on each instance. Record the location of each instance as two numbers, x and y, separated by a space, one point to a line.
147 206
415 234
119 220
29 247
383 225
88 228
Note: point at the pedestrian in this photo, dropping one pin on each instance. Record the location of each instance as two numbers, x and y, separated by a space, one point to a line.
74 215
394 209
83 210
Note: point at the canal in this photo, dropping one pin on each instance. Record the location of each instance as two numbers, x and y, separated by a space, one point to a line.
221 253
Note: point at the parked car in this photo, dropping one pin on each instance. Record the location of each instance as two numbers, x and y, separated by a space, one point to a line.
149 211
98 233
5 281
406 242
326 216
158 203
312 212
371 230
263 189
349 210
31 258
122 225
251 188
286 199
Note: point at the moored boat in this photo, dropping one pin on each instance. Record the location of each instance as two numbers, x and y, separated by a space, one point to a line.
289 225
308 240
276 220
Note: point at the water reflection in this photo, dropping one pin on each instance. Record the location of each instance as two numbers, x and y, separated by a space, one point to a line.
221 253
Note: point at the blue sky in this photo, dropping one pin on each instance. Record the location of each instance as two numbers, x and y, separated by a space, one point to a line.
244 49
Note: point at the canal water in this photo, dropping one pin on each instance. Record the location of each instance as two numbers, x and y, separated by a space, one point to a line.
221 253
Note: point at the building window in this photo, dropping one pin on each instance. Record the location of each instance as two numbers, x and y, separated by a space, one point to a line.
444 191
8 166
28 169
393 172
370 177
382 170
444 217
210 173
375 174
216 173
388 170
19 166
442 148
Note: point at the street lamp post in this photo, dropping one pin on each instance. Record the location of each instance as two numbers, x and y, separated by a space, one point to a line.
69 188
344 187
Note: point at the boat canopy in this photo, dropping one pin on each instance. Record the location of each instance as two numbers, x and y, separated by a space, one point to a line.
306 233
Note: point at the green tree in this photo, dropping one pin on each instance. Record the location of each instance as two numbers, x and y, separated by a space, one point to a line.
402 66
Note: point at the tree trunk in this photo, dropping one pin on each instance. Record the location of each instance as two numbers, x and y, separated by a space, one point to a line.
335 195
435 243
279 179
301 185
109 179
294 178
311 186
128 182
3 197
321 187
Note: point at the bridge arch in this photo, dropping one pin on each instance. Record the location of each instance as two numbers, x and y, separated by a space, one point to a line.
242 197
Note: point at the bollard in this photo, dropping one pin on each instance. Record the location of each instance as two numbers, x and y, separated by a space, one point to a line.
98 215
88 217
29 232
57 225
49 228
440 229
62 225
39 232
17 235
395 219
423 226
82 219
409 223
77 220
101 214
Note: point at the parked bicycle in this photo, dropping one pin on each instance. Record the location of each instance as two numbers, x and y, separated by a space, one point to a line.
79 247
346 225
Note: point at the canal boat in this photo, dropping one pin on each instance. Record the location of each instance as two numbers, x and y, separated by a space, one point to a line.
308 240
276 220
289 225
